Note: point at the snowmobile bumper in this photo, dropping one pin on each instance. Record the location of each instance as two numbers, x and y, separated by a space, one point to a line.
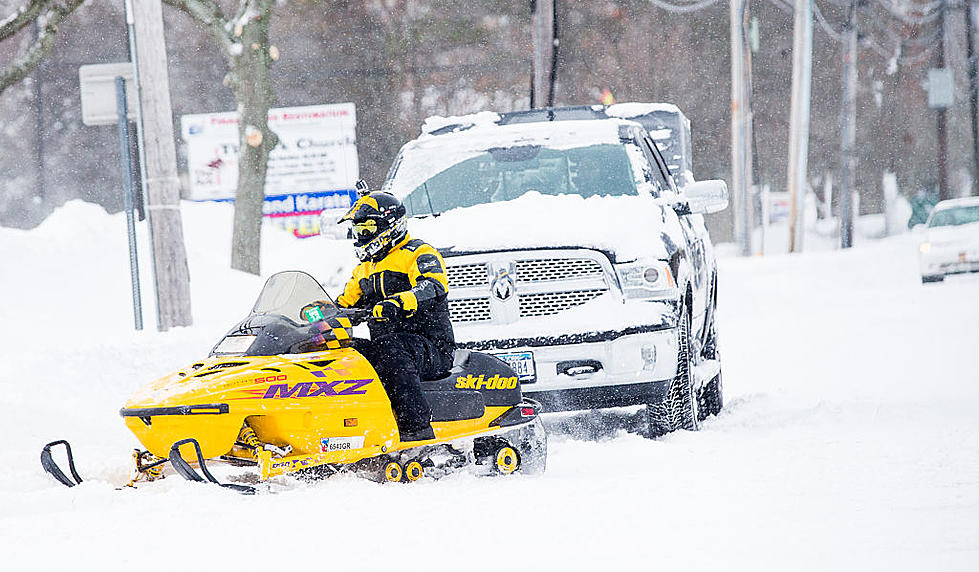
157 428
147 413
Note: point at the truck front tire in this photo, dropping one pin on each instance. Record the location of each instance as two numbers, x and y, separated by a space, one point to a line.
679 408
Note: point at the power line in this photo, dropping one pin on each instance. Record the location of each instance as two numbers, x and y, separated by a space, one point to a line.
683 8
922 14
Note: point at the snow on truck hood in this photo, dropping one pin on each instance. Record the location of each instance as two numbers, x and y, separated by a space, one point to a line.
627 227
948 235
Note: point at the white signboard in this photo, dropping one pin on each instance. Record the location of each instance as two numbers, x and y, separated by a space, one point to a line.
97 85
941 88
779 206
314 166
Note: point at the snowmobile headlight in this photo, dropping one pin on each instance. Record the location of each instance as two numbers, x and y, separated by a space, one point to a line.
646 279
234 345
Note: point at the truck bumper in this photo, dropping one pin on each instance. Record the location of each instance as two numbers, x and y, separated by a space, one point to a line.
600 396
595 370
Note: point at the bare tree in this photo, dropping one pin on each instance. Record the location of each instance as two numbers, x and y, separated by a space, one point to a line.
244 41
49 14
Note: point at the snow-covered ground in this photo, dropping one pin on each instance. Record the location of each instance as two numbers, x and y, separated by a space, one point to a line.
849 439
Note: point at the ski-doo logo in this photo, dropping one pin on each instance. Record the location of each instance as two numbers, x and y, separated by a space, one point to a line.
317 389
480 382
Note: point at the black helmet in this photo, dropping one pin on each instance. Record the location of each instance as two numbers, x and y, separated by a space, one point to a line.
379 222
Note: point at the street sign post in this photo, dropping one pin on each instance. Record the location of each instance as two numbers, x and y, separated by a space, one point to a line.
108 93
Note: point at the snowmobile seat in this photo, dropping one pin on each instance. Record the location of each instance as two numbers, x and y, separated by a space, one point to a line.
455 405
472 372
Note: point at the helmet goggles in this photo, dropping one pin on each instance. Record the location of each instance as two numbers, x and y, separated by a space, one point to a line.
378 221
379 243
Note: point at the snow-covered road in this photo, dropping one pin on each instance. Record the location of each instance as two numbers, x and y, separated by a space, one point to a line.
849 439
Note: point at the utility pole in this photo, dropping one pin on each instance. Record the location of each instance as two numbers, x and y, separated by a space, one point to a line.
38 124
748 116
162 186
942 132
543 52
799 127
848 121
970 25
739 131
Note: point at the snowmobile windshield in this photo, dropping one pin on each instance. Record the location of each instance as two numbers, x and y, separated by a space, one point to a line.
503 173
277 323
287 293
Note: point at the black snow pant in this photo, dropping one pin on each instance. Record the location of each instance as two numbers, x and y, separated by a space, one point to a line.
402 360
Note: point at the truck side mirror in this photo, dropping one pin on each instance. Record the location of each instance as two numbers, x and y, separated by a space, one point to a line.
705 197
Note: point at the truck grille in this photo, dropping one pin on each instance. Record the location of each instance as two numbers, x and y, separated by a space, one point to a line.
547 283
467 276
547 269
469 310
550 303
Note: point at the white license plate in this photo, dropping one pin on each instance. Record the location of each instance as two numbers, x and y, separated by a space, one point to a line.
522 363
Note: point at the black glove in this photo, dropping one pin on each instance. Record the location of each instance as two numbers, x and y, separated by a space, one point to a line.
388 308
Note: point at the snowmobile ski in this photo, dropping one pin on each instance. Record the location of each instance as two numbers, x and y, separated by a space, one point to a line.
186 471
52 468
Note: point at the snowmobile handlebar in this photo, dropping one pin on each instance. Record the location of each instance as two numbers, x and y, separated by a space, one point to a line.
356 316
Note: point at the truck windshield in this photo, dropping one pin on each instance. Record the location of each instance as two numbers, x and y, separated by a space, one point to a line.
505 173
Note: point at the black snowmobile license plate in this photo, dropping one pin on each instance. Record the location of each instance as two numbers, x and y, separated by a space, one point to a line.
522 363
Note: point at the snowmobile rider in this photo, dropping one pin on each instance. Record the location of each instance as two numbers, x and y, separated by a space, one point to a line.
403 282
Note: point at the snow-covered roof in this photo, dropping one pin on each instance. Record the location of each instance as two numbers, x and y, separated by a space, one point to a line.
960 202
635 109
616 110
436 122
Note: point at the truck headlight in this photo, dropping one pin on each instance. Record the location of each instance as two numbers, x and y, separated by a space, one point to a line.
925 247
646 279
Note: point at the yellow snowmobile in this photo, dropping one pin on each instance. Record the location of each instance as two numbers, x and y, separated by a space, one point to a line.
285 391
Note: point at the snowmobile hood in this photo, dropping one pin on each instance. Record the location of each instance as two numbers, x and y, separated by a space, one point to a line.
239 380
205 381
622 227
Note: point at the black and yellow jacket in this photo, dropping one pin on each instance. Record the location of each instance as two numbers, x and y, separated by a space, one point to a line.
414 272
